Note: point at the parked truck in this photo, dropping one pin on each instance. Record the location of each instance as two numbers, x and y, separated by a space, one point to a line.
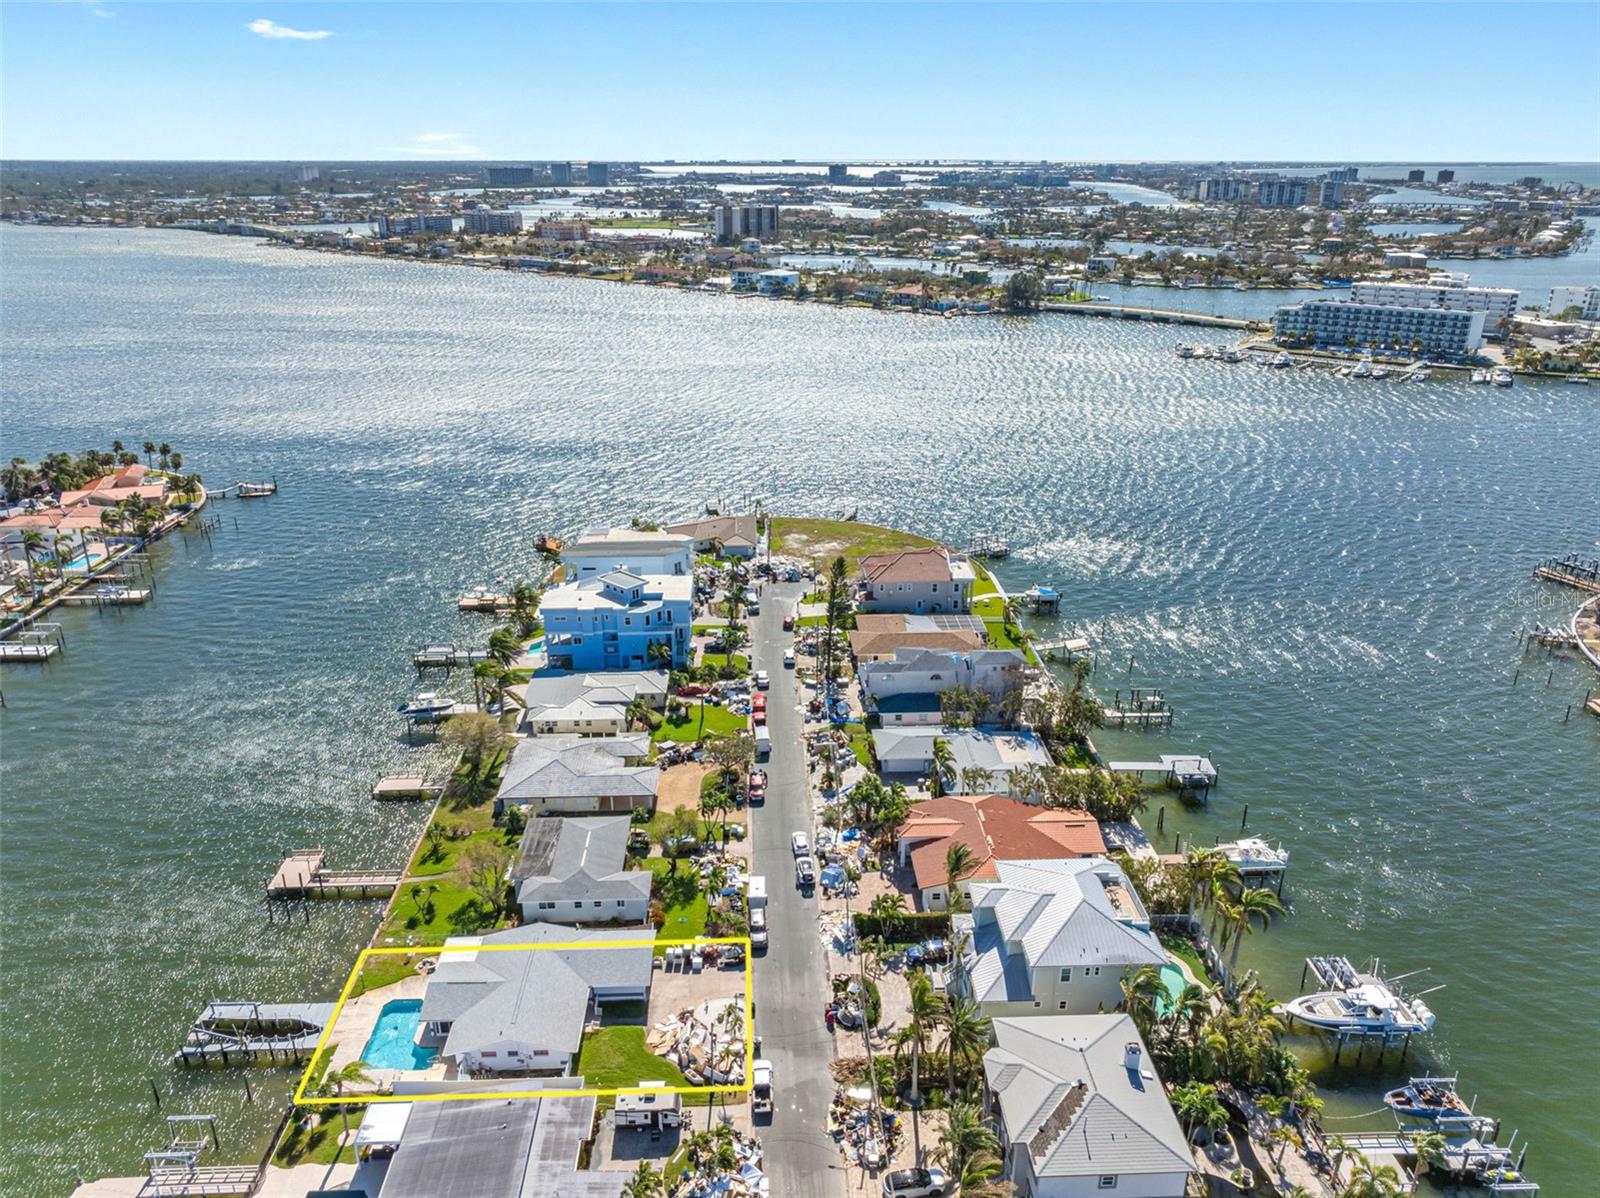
761 1087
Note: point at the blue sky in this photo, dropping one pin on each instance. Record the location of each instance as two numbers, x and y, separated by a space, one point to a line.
1363 82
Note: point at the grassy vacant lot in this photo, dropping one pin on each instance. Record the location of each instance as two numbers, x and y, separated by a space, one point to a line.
440 909
683 897
701 720
824 540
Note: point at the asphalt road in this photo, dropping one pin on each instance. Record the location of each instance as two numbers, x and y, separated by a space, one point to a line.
790 989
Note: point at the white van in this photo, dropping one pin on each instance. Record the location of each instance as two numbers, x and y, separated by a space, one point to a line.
763 743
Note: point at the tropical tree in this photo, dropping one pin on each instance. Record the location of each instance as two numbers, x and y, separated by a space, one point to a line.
966 1035
1255 905
17 477
959 864
965 1136
974 780
32 548
1142 991
916 1037
1197 1105
482 873
645 1183
505 646
479 738
1372 1181
944 767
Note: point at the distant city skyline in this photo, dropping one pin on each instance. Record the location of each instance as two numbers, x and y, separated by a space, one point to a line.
98 79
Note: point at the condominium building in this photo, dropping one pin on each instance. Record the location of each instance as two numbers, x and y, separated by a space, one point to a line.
511 176
493 222
561 173
838 172
1347 174
1586 299
1416 176
1331 193
734 222
1437 332
1221 191
1446 177
420 222
1282 193
599 174
1500 303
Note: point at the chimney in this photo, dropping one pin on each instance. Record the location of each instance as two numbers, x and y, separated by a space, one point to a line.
1131 1055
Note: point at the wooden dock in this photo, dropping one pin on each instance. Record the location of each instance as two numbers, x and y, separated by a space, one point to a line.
447 657
399 787
243 1033
1571 571
202 1181
485 603
1142 707
120 597
304 873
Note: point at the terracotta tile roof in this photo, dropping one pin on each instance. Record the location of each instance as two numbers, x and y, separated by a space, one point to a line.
883 644
910 565
995 828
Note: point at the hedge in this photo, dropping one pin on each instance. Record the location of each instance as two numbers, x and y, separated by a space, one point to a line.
903 929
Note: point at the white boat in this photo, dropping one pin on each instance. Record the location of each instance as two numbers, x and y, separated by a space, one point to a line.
1359 1003
1578 380
1280 360
1501 377
1480 375
1251 854
1185 351
429 707
1231 356
1380 372
1363 368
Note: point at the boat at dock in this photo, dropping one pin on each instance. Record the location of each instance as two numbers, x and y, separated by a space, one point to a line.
549 545
1578 380
485 600
257 490
1480 375
1184 351
1280 361
1253 855
1501 377
1360 1004
1428 1098
429 707
243 1032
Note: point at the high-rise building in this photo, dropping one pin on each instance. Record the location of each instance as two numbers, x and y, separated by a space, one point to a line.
420 222
1445 177
1500 303
1345 174
1331 194
1585 299
561 173
734 222
599 174
493 222
511 176
308 174
838 173
1282 193
1344 323
1416 176
1221 190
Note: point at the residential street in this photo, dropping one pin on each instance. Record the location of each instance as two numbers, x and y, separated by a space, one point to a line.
790 991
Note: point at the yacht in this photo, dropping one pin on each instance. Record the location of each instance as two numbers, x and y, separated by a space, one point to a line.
1430 1098
1185 351
1280 360
429 707
1251 854
1578 380
1380 372
1363 368
1231 356
1480 375
1500 377
1359 1003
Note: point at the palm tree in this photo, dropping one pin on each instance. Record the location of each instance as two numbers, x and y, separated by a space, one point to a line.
32 547
645 1183
965 1136
978 1174
974 780
944 766
925 1011
1429 1147
1372 1181
149 453
959 864
17 477
966 1035
1198 1106
1141 992
505 646
1253 906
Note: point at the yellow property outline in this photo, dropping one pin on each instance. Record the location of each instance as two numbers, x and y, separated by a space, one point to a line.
428 950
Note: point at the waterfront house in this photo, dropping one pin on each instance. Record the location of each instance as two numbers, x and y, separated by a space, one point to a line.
571 871
580 775
1052 937
619 621
524 1012
1081 1110
589 704
881 636
639 551
529 1147
908 751
916 580
914 671
738 536
993 828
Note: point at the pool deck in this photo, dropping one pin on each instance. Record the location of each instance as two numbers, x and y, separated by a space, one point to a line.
356 1022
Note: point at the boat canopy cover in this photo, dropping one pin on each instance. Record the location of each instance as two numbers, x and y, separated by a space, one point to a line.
1373 996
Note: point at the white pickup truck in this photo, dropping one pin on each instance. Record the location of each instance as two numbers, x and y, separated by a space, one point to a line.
761 1087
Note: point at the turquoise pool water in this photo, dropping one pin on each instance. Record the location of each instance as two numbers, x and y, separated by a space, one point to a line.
393 1043
1171 978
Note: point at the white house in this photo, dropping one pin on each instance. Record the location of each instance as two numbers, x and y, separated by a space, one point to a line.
571 871
591 704
1052 938
601 550
912 671
580 775
524 1012
1081 1111
909 751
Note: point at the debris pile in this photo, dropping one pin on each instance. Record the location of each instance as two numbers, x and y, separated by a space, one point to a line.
715 1179
867 1134
706 1042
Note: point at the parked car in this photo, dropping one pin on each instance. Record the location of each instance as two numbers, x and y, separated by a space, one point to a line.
801 846
758 927
788 658
762 681
913 1183
788 622
754 607
805 872
638 840
680 846
691 690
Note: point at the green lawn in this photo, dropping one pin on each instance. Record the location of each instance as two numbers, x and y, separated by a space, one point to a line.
718 721
740 661
685 900
984 584
860 742
828 539
991 607
617 1058
385 969
320 1145
811 621
1179 946
455 912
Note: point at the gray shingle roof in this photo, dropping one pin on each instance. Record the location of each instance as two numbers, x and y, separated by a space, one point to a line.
572 859
1066 1091
544 767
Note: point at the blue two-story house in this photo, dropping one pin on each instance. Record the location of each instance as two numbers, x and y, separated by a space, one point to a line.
610 621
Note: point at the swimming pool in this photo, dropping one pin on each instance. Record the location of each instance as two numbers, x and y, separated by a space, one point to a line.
393 1043
1172 982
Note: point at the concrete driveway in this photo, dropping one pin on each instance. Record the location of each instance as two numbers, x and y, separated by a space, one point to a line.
790 991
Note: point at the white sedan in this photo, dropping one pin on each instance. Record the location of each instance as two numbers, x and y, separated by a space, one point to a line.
801 846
